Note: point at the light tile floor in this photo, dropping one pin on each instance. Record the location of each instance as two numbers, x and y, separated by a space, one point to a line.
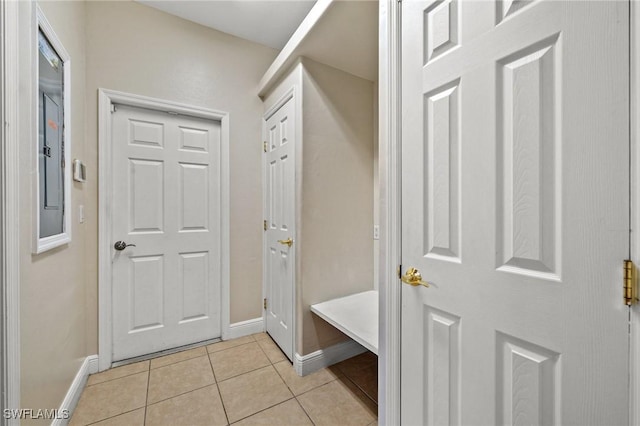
246 381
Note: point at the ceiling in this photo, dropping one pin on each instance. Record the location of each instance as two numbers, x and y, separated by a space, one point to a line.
341 34
268 22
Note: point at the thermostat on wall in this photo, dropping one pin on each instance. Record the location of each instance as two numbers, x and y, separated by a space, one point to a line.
79 171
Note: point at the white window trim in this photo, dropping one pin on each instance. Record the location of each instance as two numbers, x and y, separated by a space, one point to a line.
10 212
106 98
41 245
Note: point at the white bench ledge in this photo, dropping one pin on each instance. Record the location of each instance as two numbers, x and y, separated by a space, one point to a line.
355 315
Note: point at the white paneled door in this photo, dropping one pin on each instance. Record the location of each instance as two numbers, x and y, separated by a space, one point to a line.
166 210
515 210
279 241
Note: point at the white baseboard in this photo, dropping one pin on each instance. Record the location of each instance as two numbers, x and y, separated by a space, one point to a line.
306 364
89 366
244 328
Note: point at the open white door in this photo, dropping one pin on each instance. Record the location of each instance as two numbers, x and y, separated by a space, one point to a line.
166 231
515 207
279 243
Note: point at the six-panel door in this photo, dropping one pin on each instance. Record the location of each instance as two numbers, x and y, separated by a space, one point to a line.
515 208
279 213
166 201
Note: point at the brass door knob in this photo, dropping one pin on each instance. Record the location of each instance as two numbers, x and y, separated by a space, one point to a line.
287 242
413 277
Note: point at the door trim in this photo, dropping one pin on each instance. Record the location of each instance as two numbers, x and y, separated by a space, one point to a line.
390 217
106 98
292 93
10 211
634 99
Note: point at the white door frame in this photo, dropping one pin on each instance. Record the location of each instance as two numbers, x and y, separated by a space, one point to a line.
390 145
634 356
10 212
106 98
390 242
297 158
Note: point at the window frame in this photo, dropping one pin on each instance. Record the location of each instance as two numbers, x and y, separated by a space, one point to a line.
43 244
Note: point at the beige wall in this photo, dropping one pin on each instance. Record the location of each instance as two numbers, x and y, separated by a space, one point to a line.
137 49
54 314
133 48
337 195
335 155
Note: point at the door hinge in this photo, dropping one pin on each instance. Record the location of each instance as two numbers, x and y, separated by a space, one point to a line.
264 225
264 303
629 282
113 108
264 146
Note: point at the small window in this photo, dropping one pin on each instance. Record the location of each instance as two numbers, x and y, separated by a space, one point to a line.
53 225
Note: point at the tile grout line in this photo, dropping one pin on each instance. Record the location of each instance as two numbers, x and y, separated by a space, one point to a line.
265 354
243 373
319 386
111 417
283 380
177 362
165 353
180 394
232 347
146 401
295 397
277 347
207 353
305 410
224 409
116 378
272 365
264 409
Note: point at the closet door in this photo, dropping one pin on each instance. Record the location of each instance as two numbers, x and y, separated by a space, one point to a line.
279 244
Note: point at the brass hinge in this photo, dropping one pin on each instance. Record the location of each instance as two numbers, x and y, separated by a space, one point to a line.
264 225
264 303
630 285
264 146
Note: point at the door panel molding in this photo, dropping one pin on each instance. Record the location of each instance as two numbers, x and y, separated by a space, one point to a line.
106 100
390 217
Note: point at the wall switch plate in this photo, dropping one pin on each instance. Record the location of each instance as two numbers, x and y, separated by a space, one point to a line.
376 232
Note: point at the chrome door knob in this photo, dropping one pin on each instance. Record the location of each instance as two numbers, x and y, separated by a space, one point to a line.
121 245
